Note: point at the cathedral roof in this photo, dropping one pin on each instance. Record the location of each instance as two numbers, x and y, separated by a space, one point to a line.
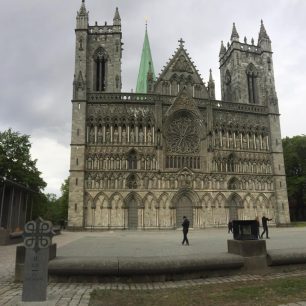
180 63
146 66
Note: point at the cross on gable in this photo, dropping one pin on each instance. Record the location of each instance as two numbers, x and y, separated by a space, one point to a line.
38 234
181 41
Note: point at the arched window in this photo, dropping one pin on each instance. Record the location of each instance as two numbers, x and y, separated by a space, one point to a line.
233 184
252 86
132 160
132 182
100 60
228 86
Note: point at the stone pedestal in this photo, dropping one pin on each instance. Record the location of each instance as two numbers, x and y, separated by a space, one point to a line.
20 259
35 278
247 248
254 253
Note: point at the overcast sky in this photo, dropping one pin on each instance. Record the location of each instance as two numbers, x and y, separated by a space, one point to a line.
37 58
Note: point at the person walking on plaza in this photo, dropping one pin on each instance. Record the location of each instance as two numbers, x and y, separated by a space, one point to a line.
264 222
257 228
230 226
185 225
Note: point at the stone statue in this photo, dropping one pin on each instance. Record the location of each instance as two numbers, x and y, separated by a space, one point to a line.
141 136
100 135
92 135
116 135
132 136
107 136
123 136
149 136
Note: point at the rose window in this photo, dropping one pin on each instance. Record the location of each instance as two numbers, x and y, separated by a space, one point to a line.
183 136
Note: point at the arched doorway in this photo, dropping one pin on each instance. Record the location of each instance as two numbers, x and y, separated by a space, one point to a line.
234 203
132 213
184 207
233 212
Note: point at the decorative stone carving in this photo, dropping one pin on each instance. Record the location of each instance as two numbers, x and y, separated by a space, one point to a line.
183 136
182 65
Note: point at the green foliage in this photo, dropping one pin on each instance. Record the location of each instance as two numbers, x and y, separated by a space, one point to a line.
51 208
16 162
295 165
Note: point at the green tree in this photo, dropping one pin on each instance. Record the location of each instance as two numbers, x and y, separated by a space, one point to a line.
16 162
295 165
63 200
51 208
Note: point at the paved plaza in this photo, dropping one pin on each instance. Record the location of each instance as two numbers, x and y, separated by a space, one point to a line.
142 244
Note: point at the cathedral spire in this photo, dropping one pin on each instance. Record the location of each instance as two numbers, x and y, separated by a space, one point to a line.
82 17
263 33
263 38
222 49
146 66
211 86
235 35
210 76
82 10
117 19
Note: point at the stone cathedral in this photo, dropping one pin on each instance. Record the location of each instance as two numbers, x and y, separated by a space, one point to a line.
143 160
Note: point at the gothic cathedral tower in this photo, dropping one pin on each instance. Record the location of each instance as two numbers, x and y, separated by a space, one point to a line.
97 69
247 77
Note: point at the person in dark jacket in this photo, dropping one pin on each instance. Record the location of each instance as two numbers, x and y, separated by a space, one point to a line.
230 227
185 225
264 222
257 228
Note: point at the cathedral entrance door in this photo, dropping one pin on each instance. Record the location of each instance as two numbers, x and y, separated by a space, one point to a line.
184 207
233 211
133 214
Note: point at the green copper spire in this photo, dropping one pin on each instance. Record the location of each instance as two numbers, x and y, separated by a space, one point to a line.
146 65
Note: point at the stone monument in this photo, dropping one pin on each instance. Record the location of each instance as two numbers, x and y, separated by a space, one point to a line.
37 239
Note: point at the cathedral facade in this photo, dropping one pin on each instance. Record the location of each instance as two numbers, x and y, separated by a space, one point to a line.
144 160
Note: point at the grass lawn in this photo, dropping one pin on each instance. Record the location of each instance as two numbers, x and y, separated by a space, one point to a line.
271 292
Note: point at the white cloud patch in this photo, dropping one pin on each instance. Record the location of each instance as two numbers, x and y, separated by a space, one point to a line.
52 160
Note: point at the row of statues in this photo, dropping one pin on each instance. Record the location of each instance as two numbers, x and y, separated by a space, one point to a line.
134 135
242 166
133 182
121 163
240 141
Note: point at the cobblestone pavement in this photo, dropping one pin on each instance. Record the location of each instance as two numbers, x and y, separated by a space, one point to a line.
74 294
78 294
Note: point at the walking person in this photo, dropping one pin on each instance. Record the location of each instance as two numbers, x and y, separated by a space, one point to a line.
185 225
264 221
257 228
230 226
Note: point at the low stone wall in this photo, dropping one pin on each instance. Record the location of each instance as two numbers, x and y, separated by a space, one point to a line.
7 237
142 268
286 257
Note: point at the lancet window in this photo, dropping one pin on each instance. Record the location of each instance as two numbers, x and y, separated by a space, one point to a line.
252 85
100 62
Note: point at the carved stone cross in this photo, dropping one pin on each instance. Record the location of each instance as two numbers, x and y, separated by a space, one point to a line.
181 41
37 239
38 234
